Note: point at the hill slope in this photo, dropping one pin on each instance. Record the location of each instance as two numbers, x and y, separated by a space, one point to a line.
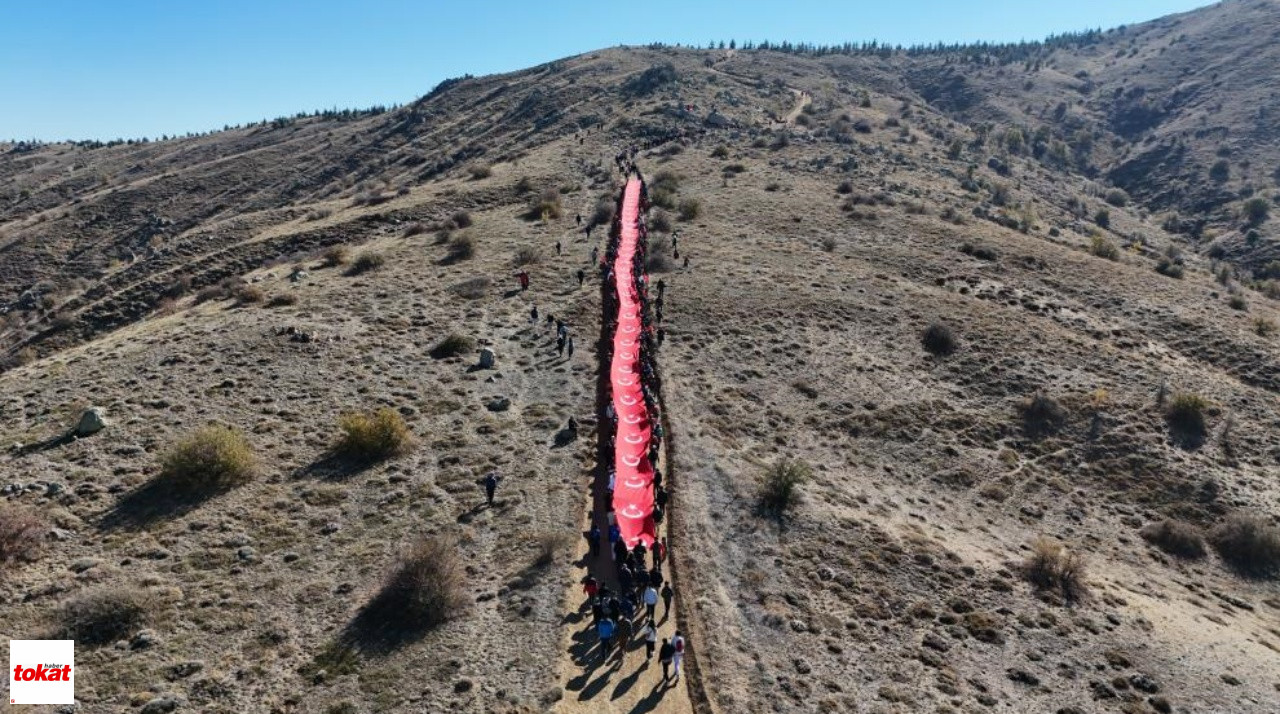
1056 207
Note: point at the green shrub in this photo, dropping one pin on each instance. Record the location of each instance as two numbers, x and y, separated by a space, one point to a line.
1256 210
1237 302
104 615
546 207
1249 544
779 486
452 346
1170 268
212 459
373 436
1220 171
720 152
1176 538
22 535
366 262
661 221
1102 218
1117 198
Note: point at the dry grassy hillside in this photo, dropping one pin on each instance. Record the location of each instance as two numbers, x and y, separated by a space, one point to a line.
1023 361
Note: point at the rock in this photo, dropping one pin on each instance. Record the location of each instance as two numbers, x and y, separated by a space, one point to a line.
1144 683
1231 680
799 626
291 556
145 639
802 666
91 422
499 404
247 554
1021 676
934 642
330 528
182 670
79 565
53 489
487 358
462 686
237 540
161 705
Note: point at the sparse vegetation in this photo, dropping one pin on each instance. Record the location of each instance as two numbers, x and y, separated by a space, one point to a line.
1264 327
212 459
473 289
366 262
938 339
1053 568
22 535
1185 413
546 207
690 208
452 346
426 588
1104 248
549 544
1042 415
249 295
479 171
1237 302
1170 268
461 248
415 228
1249 544
779 487
526 255
1176 538
373 436
720 152
104 615
282 300
335 255
460 219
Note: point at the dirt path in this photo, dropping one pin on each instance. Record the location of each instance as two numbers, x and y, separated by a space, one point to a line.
803 99
630 683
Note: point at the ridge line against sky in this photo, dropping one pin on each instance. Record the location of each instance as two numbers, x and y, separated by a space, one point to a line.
81 69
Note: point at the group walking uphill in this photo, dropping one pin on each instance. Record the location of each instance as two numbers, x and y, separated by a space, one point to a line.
623 591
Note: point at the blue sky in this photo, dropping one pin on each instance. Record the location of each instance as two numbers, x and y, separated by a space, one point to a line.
130 68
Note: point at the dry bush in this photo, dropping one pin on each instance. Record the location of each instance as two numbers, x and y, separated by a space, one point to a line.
546 207
427 587
460 248
1237 302
938 339
844 188
1103 248
1175 538
366 262
829 244
211 459
659 263
1264 327
980 251
319 214
1053 568
104 615
460 219
472 289
249 295
282 300
661 221
720 152
21 535
1185 413
526 255
335 255
373 436
414 229
779 486
1042 414
549 544
479 171
1249 544
690 209
603 213
210 293
452 346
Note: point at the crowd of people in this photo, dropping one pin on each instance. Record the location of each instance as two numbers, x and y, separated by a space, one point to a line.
627 614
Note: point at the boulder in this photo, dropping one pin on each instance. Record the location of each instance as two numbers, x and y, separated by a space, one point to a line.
91 422
487 358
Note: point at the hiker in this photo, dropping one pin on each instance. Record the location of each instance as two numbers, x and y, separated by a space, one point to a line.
677 643
558 248
569 347
591 587
605 629
650 601
650 635
686 261
623 637
560 345
593 540
667 594
595 252
579 219
665 654
662 335
490 486
533 314
662 287
581 276
523 278
659 552
655 577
